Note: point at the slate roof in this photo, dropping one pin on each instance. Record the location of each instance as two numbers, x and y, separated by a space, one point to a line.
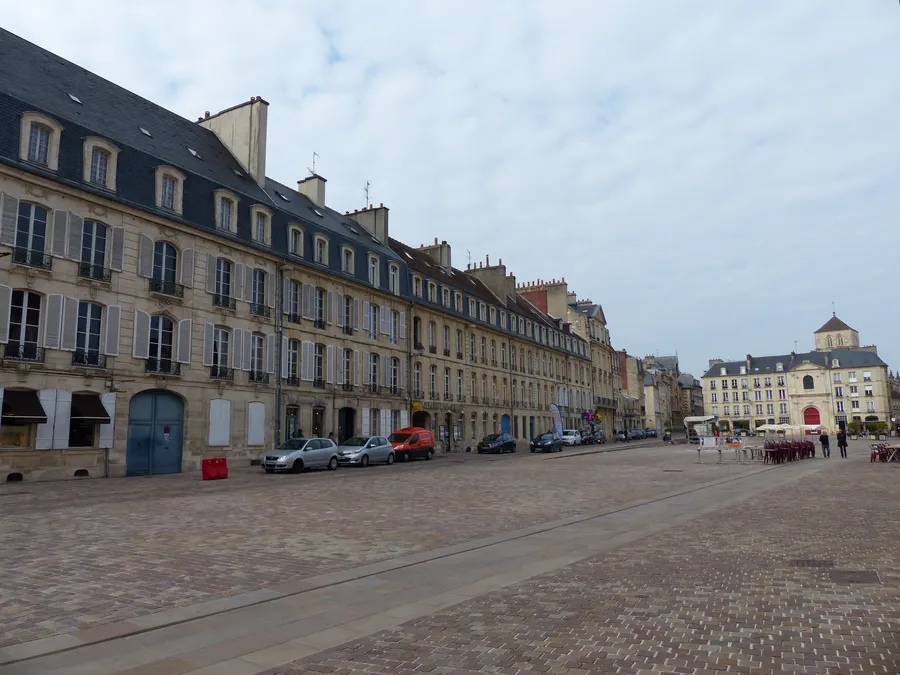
593 311
833 324
763 365
686 380
667 362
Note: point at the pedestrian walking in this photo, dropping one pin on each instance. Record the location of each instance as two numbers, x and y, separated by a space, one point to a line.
825 441
842 443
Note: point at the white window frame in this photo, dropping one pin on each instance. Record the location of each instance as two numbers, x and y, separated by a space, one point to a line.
373 268
94 144
348 268
394 279
320 249
54 130
221 196
257 212
163 172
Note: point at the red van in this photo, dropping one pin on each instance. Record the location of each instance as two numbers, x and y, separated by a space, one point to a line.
412 443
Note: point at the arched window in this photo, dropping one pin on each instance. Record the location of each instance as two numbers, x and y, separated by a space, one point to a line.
830 341
87 336
840 340
165 260
93 250
162 338
808 382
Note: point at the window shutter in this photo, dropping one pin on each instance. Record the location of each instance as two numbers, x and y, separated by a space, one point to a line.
286 296
145 255
247 361
9 213
117 249
356 367
211 261
339 360
5 308
402 374
270 290
404 419
248 284
385 320
365 421
113 321
60 233
307 302
340 310
52 322
76 226
44 437
208 343
237 281
365 316
184 341
236 348
107 431
140 339
329 308
61 422
285 366
384 371
366 368
355 313
69 330
385 422
306 366
403 326
270 353
329 364
187 268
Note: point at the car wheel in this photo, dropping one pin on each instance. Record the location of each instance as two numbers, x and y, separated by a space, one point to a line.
480 451
405 456
364 461
513 449
332 464
297 466
430 453
390 459
532 449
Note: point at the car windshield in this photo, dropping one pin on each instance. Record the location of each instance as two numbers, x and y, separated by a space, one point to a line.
545 437
356 441
568 432
492 437
293 444
399 438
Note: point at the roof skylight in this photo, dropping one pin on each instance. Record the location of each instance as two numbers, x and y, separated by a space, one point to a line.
75 98
145 132
194 153
238 173
318 213
282 196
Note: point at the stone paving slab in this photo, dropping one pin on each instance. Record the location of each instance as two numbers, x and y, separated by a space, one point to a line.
747 590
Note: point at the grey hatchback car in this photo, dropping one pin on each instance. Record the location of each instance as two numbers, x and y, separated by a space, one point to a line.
363 450
297 454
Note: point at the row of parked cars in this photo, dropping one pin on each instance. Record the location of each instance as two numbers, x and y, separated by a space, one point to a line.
297 454
637 434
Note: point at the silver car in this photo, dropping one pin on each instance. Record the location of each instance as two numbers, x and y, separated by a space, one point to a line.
363 450
298 454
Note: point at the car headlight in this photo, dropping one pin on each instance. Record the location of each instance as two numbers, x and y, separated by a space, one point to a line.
284 458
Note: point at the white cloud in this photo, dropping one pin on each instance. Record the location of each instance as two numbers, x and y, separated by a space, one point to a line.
715 174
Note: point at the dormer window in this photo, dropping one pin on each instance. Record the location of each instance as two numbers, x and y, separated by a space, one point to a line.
321 250
835 363
493 315
99 166
779 367
432 291
38 144
373 270
226 211
723 371
471 307
417 286
100 158
348 263
394 279
261 224
743 370
445 297
458 300
295 241
169 188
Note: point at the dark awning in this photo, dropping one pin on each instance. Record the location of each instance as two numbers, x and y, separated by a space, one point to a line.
22 407
88 407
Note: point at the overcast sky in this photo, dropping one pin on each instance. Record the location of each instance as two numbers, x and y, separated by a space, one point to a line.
713 173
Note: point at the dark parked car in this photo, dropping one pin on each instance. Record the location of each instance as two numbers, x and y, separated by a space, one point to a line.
651 433
546 443
588 438
497 443
620 436
600 437
635 434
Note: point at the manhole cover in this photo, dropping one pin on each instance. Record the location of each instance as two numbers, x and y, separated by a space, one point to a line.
855 577
812 563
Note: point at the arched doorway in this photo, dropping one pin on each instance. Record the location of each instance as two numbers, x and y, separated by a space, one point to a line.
155 428
811 416
422 419
504 424
346 424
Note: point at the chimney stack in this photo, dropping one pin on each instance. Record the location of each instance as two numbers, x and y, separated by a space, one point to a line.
242 129
314 188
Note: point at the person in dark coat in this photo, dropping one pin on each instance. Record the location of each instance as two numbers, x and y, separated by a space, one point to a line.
825 441
842 442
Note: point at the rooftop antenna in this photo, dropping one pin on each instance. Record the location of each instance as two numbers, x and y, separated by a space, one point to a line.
832 309
313 169
368 185
470 256
795 345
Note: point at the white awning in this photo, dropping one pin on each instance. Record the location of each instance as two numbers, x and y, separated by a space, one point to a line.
694 420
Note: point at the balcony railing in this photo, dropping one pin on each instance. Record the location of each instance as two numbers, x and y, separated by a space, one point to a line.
347 329
292 381
319 323
174 290
494 362
433 395
292 317
372 388
88 358
319 382
259 377
484 360
259 309
419 346
347 386
448 396
460 398
393 390
418 393
221 373
95 272
474 399
162 367
24 351
30 258
446 352
459 355
223 301
432 349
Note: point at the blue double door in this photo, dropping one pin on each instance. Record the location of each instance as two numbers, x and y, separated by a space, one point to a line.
155 426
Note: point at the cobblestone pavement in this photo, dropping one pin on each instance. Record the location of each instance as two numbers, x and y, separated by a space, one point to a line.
750 590
85 553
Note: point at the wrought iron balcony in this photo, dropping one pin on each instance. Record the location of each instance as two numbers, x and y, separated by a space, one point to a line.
460 398
448 396
433 395
319 383
174 290
95 272
259 377
162 367
393 390
319 323
32 258
292 317
292 381
494 362
347 386
221 373
373 388
474 399
419 346
347 329
432 349
259 309
24 351
459 355
446 352
223 301
418 393
88 358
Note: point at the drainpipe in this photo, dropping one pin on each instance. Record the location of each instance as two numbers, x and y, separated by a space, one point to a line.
409 360
279 339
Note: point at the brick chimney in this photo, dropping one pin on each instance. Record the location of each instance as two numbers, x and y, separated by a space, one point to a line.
242 129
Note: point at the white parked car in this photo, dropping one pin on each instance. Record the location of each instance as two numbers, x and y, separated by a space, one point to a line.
297 454
571 437
363 450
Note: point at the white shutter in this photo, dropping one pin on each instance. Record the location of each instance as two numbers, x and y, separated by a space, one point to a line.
5 308
365 421
285 365
355 368
117 249
187 268
402 325
237 354
404 419
113 321
184 341
385 425
211 261
385 320
339 361
237 281
61 423
286 296
270 353
248 283
270 290
208 338
340 310
44 437
145 255
366 323
366 368
107 431
329 308
355 313
329 364
401 376
307 370
219 422
248 350
60 233
69 330
140 338
76 227
9 214
308 302
53 321
256 423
